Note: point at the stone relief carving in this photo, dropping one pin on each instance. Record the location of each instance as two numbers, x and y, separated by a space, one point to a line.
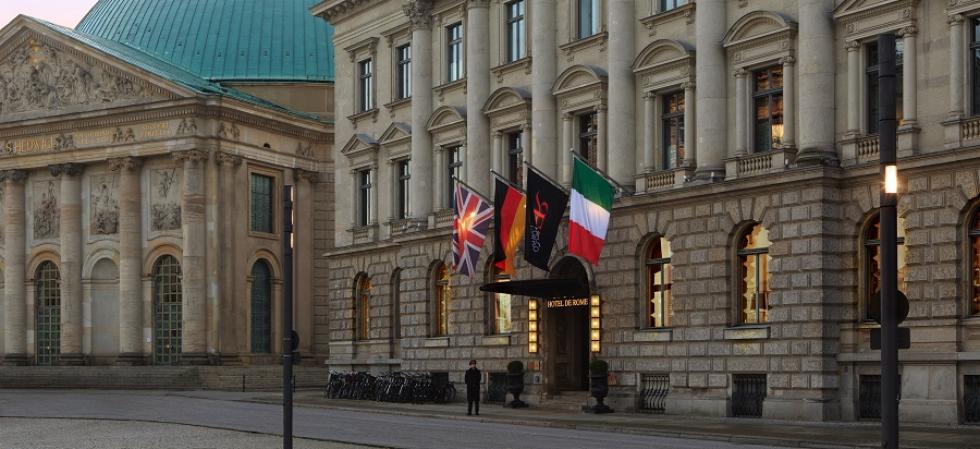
120 136
229 130
304 149
37 76
187 126
46 212
165 199
64 142
104 206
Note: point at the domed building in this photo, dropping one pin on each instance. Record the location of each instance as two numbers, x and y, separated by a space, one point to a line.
142 159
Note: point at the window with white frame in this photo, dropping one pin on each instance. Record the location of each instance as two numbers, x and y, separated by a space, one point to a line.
667 5
365 84
403 55
871 72
588 18
588 137
516 27
672 127
454 52
363 179
454 170
767 101
402 178
515 158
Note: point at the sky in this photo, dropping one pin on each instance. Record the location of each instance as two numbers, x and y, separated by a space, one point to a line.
62 12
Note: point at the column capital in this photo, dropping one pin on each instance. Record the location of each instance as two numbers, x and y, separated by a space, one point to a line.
851 46
419 12
955 19
477 4
649 95
787 60
601 107
909 31
307 175
498 134
225 158
526 127
740 73
67 169
13 176
688 85
567 116
125 163
190 156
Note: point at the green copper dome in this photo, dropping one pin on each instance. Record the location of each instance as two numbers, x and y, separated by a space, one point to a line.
222 40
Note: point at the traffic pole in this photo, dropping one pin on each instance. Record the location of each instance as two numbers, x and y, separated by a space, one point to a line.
889 240
287 317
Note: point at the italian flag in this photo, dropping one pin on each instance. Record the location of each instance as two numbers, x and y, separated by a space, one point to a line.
591 202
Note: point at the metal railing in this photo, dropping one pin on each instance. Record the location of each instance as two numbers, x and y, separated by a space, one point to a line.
653 392
748 394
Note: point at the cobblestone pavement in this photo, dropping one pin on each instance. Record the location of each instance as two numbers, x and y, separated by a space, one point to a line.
21 433
360 427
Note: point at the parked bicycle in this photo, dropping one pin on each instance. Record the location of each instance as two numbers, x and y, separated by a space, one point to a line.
406 387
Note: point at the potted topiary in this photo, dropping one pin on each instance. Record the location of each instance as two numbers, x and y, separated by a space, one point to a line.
599 377
515 383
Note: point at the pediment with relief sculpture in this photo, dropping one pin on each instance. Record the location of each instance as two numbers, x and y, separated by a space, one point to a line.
38 76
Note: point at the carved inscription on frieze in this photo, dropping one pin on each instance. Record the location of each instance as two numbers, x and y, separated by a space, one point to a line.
46 211
84 139
165 187
103 206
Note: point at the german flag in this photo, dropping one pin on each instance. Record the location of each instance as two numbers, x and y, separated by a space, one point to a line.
508 215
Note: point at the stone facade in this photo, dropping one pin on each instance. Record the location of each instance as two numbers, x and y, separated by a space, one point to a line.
815 192
110 168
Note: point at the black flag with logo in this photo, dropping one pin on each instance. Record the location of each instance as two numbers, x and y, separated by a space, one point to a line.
546 203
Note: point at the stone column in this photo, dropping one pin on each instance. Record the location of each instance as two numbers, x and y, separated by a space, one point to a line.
214 215
909 78
816 89
304 254
441 176
193 266
420 166
622 164
130 261
649 134
373 216
526 141
568 144
231 338
544 70
498 156
956 109
710 27
789 102
477 92
71 262
15 255
602 135
741 112
690 126
853 88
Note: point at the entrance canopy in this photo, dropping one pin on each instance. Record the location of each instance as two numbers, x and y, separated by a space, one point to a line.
555 288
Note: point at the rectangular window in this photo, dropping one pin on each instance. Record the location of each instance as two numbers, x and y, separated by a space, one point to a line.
262 208
872 84
404 54
515 158
588 18
515 30
402 189
454 52
672 123
454 170
503 323
588 137
363 197
667 5
365 70
767 97
975 66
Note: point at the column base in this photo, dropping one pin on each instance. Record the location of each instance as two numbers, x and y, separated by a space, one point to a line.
194 358
72 359
16 360
130 359
809 157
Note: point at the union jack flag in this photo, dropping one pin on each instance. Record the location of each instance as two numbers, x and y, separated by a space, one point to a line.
471 220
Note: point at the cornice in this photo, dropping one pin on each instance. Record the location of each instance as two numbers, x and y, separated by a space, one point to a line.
337 10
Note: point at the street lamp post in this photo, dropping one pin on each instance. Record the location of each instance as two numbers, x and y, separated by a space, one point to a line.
288 220
889 245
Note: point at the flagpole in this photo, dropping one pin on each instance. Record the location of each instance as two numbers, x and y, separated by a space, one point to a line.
505 180
475 192
619 187
545 176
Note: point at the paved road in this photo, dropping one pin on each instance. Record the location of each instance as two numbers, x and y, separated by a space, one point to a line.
21 433
404 432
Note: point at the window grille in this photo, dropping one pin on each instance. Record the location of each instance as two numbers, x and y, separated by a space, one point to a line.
261 308
748 394
167 311
497 387
47 300
971 398
262 214
653 395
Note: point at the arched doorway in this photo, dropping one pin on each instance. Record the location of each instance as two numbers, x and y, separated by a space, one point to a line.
47 305
167 311
567 333
261 310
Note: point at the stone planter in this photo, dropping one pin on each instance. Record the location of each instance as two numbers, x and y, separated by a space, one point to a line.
515 385
600 389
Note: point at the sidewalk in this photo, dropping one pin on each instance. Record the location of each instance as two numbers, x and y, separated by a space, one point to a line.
740 430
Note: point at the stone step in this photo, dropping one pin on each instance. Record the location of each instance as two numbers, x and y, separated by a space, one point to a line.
572 401
159 377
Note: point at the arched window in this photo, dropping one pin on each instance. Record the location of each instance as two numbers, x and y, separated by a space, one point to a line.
498 313
47 300
396 304
362 307
974 234
261 308
753 265
167 310
442 292
660 307
872 260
